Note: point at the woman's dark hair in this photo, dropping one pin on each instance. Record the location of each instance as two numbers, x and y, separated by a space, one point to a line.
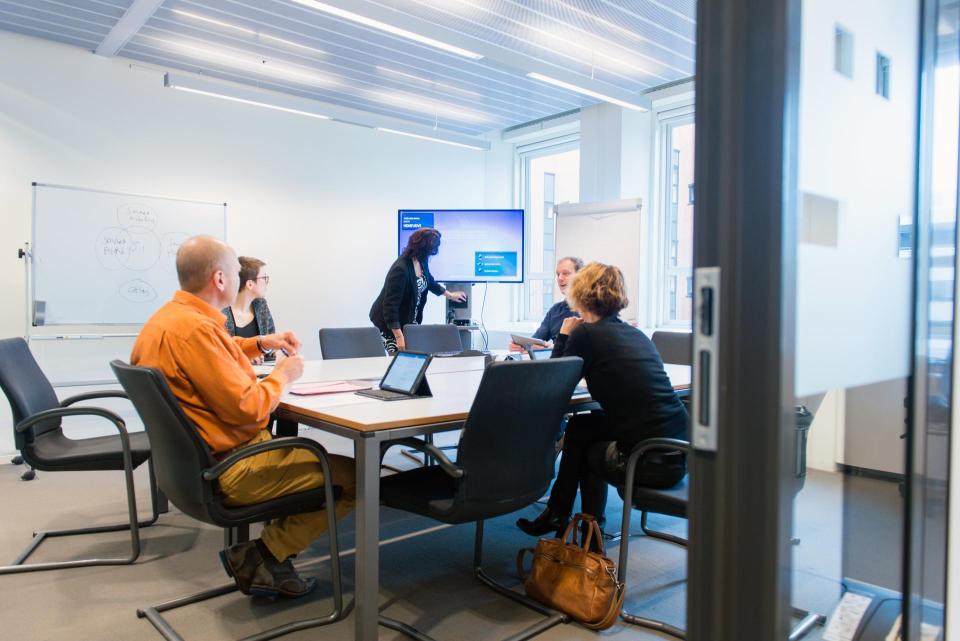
422 244
249 268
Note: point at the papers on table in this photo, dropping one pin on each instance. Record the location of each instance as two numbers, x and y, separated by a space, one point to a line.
331 387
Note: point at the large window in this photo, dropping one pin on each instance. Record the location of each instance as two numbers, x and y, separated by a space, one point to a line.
676 211
550 174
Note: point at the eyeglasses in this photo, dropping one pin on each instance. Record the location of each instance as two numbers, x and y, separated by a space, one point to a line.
265 279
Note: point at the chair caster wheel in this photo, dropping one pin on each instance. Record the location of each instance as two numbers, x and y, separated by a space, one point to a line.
29 475
17 460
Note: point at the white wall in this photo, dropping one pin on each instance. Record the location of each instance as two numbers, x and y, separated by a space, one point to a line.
857 148
316 200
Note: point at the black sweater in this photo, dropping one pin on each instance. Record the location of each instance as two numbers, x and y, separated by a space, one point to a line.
625 375
394 306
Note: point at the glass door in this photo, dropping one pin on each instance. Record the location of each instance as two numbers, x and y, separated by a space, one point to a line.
824 256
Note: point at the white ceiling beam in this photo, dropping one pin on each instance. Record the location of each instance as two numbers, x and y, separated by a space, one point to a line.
127 26
509 59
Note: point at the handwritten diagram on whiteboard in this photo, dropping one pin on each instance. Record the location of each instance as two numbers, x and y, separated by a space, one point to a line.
108 258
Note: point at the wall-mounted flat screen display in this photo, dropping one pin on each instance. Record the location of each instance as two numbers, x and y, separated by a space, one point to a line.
477 245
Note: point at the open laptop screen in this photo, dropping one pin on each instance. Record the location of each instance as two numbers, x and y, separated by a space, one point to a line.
405 372
540 354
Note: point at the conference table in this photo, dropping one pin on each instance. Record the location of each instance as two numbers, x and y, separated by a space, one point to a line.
371 422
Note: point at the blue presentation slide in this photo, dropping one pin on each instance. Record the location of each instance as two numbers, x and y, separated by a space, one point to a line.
496 264
477 245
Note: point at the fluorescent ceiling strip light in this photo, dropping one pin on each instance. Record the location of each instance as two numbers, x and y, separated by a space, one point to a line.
585 91
195 16
389 28
430 138
224 96
251 32
433 84
292 43
256 64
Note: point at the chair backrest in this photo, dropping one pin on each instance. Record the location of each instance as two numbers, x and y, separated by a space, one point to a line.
179 453
508 448
432 339
27 389
351 342
675 348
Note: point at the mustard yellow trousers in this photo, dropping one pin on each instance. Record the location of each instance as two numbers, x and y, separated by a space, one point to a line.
287 471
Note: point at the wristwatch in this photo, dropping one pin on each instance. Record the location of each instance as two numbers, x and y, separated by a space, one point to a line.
265 352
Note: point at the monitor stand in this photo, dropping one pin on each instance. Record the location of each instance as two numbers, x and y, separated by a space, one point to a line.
460 314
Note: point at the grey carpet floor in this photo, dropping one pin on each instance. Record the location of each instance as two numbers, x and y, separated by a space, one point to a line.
426 577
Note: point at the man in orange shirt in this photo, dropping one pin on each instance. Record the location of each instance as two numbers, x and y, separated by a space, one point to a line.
210 373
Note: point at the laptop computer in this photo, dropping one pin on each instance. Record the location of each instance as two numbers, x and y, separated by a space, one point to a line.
404 378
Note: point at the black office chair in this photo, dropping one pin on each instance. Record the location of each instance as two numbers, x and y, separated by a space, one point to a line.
39 437
433 339
673 502
505 462
676 348
350 342
188 475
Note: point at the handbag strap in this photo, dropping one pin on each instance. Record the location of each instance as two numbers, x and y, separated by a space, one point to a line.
616 605
520 554
593 530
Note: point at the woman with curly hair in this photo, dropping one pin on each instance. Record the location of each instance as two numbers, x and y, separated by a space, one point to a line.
626 377
404 292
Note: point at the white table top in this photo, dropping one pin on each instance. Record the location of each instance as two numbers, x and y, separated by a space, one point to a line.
453 381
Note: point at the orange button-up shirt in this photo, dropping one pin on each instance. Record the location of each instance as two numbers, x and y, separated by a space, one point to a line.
208 371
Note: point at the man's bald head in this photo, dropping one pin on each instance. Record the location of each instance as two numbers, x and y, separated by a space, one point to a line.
199 258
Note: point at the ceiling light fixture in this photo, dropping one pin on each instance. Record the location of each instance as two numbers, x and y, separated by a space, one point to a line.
291 43
263 36
244 94
195 16
430 138
183 84
389 28
585 91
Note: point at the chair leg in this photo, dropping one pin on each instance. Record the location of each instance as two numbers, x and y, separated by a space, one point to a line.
552 616
133 525
663 536
643 622
153 613
808 621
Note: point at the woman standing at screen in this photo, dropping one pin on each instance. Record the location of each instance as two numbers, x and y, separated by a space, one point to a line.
249 315
404 292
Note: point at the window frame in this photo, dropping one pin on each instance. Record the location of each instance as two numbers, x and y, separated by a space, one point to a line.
523 154
666 120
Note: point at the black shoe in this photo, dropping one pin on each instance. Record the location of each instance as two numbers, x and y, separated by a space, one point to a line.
548 521
258 576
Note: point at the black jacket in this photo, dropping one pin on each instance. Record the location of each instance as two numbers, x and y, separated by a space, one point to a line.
394 306
625 375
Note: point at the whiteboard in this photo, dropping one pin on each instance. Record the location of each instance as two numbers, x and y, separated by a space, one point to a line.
104 258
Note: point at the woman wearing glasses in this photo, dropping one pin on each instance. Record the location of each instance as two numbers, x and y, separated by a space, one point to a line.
249 315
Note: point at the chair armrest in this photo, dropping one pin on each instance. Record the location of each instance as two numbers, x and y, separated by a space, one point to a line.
92 395
651 444
429 448
59 412
286 442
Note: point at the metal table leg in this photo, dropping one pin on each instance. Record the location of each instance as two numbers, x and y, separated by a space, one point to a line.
367 578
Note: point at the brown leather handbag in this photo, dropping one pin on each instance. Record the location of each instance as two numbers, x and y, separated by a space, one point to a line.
569 578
